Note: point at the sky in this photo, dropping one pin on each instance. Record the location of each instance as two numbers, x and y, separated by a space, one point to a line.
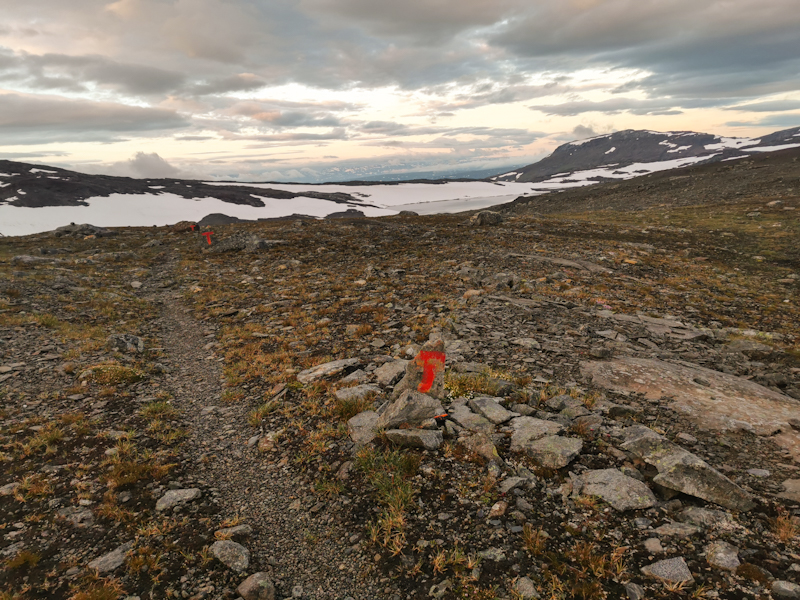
329 90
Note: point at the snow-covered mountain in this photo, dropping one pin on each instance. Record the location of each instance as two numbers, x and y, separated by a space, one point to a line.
629 153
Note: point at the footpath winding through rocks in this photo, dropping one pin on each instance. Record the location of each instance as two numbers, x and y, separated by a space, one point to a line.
296 539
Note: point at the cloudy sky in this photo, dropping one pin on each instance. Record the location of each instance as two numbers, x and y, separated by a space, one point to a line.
315 90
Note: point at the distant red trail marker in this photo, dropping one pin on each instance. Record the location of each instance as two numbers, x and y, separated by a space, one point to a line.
208 235
192 226
432 363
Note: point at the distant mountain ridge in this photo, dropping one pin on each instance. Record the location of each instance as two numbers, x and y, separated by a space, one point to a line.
37 186
610 154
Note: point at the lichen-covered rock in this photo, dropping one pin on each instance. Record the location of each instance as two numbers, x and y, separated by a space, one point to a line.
125 342
529 429
619 490
492 410
555 451
682 471
411 408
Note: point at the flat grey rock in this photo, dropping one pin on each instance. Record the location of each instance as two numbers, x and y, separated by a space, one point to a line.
9 488
358 392
671 570
237 532
391 372
232 555
112 560
791 490
363 427
79 516
529 429
554 451
723 555
175 497
480 445
326 370
713 399
461 414
682 471
785 590
492 410
704 517
415 438
619 490
677 529
411 408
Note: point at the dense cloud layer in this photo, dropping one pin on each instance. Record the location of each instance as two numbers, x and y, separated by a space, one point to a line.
387 74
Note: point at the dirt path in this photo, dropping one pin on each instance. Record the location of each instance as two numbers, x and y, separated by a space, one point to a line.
297 537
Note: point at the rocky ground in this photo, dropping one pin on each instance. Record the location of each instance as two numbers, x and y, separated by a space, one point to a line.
617 415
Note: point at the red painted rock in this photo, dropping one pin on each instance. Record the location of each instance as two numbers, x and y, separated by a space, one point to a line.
425 374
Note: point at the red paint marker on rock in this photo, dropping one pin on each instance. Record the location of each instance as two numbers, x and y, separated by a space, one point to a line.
207 235
425 374
432 365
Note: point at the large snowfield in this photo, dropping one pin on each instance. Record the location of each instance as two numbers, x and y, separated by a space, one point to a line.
138 210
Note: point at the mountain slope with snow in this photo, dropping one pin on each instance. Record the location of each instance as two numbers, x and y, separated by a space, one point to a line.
629 153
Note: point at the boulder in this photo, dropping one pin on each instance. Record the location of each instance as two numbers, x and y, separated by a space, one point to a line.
682 471
415 438
619 490
411 408
486 217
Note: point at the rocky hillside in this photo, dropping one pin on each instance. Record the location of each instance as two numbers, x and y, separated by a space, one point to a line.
36 186
623 148
604 405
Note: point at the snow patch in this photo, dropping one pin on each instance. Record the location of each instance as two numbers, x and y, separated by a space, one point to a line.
773 148
42 171
678 149
156 187
731 143
612 150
